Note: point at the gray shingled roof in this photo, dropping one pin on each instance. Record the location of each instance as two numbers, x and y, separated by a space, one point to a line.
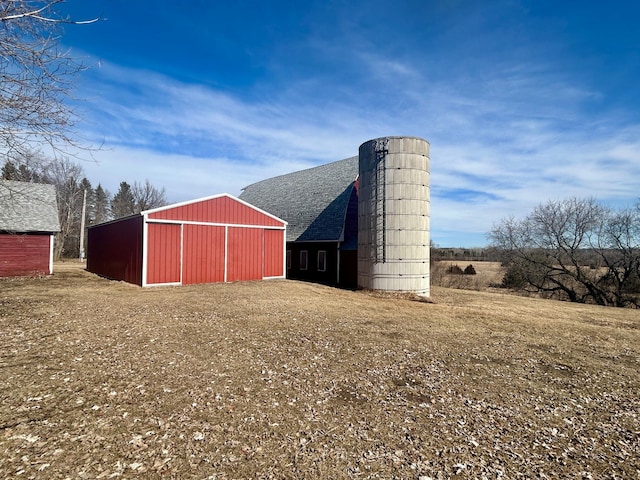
28 207
313 201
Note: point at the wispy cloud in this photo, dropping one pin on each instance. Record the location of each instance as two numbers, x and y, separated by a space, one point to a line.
501 142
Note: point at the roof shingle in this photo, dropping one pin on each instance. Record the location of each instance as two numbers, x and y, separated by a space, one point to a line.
28 207
313 201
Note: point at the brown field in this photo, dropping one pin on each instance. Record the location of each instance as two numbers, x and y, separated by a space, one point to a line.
488 274
283 379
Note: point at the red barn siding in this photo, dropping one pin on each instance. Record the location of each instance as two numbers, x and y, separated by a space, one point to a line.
244 254
114 250
224 210
23 255
211 240
163 253
203 254
274 253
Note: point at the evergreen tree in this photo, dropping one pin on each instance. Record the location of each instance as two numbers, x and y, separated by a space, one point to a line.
85 186
9 171
20 173
101 210
123 202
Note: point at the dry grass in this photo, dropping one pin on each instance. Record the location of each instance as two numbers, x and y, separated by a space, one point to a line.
284 379
488 274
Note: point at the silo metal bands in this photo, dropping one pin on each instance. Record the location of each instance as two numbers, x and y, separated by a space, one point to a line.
393 215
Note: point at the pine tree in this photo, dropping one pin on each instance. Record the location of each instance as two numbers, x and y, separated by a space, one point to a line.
123 202
20 173
101 210
9 171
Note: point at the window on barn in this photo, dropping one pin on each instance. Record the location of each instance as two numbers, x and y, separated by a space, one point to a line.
304 259
322 261
288 259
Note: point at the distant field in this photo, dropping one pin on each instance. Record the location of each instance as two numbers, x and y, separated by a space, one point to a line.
283 379
488 275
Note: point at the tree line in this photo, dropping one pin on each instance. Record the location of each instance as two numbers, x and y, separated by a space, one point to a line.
574 249
71 186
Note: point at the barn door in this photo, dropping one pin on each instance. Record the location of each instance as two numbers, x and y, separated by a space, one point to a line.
203 254
244 254
273 253
163 253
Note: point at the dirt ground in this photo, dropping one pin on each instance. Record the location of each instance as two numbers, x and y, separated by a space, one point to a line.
283 380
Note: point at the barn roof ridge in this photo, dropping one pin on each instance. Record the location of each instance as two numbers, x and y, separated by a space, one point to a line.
28 207
304 170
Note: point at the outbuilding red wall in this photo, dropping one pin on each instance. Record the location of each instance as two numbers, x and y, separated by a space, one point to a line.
273 253
203 254
25 254
222 210
210 240
114 250
163 252
245 250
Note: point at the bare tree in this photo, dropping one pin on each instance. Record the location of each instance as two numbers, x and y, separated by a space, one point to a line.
618 249
67 177
146 196
575 249
37 78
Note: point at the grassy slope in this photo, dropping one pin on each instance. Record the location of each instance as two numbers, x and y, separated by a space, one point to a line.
291 380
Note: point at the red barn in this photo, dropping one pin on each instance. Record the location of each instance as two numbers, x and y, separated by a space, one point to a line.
213 239
28 221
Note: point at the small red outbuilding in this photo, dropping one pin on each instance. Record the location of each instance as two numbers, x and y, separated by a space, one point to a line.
28 221
213 239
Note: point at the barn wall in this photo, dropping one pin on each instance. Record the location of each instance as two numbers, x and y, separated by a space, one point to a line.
163 253
274 253
349 269
222 210
24 254
194 253
114 250
203 254
216 239
312 274
244 254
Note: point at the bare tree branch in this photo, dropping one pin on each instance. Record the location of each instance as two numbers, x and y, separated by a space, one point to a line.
575 247
4 16
146 196
37 79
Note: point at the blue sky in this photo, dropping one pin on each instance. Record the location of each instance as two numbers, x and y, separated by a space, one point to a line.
522 101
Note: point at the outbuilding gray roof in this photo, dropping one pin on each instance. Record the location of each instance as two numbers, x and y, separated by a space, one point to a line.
313 201
28 207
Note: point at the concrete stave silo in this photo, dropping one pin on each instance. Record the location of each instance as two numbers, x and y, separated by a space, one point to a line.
393 215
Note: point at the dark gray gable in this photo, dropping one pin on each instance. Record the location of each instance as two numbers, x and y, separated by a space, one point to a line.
313 201
28 207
